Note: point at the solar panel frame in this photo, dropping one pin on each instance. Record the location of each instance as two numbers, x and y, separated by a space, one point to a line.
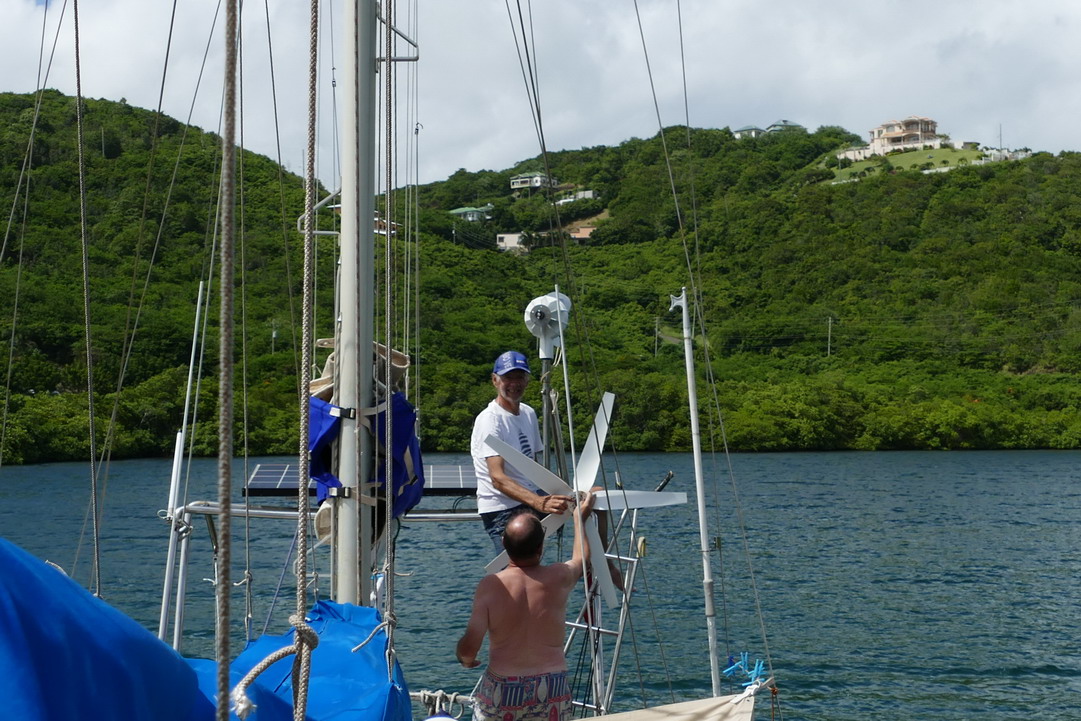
280 479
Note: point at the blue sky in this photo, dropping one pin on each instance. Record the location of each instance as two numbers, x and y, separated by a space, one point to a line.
978 68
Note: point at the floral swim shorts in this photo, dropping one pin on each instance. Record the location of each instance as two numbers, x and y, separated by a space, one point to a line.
544 697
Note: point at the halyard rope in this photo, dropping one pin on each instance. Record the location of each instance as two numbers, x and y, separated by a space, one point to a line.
306 642
304 639
225 375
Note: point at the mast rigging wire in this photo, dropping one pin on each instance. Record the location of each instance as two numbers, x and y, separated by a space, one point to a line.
695 286
85 243
388 320
529 74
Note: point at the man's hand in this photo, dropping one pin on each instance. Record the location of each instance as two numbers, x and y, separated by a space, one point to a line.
553 504
468 661
585 502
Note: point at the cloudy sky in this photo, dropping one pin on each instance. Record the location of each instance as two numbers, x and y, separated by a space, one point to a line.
978 67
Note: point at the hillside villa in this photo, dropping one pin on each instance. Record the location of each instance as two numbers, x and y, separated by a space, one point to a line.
912 133
532 180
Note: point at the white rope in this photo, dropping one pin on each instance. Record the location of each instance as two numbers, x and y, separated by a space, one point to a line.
305 638
442 703
384 625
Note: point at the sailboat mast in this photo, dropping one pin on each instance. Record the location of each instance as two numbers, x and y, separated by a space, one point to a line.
356 295
700 492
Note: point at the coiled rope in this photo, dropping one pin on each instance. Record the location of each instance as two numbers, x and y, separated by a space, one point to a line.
441 703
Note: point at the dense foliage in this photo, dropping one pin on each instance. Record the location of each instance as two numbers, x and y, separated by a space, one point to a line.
906 310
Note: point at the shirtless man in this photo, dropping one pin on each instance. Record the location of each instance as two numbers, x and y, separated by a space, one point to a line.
522 609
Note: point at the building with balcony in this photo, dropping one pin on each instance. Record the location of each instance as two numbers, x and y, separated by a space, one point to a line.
532 181
912 133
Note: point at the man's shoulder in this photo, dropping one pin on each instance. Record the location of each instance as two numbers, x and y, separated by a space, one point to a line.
556 572
491 408
487 418
492 580
570 571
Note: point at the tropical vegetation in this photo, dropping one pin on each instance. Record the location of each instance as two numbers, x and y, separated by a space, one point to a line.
905 310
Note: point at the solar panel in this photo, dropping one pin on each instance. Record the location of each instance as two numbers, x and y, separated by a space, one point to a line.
275 479
280 479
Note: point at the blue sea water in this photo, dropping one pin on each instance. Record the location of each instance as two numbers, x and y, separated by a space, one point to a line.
891 585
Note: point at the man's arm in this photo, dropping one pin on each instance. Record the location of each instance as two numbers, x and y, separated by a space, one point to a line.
469 644
581 543
513 489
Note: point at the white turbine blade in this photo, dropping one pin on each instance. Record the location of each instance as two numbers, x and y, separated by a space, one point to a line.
551 523
541 476
498 563
617 500
600 564
585 473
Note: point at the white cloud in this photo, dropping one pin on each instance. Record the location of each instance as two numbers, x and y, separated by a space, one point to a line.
972 66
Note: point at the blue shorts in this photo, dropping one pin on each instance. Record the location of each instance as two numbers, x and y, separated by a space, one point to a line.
496 521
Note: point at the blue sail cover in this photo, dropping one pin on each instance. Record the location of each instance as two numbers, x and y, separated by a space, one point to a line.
343 686
65 654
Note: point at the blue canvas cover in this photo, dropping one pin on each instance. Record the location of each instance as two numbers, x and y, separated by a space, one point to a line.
323 426
65 654
343 686
407 466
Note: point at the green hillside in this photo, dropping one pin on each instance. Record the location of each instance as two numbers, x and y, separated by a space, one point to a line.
904 310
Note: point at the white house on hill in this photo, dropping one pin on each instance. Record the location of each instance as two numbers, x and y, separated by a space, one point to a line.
532 180
510 242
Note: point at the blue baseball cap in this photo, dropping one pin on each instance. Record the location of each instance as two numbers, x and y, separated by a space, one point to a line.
509 361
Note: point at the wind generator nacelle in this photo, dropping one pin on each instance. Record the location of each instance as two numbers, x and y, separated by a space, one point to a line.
546 317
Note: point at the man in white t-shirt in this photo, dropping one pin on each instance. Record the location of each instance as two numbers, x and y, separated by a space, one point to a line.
502 491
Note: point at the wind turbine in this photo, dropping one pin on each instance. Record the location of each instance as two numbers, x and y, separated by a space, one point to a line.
585 475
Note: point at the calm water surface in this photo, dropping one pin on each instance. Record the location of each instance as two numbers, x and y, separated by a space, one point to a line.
891 585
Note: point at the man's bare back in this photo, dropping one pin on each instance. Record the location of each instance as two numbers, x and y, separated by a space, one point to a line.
522 608
526 610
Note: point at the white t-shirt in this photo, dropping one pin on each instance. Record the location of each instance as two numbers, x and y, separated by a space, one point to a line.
519 431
